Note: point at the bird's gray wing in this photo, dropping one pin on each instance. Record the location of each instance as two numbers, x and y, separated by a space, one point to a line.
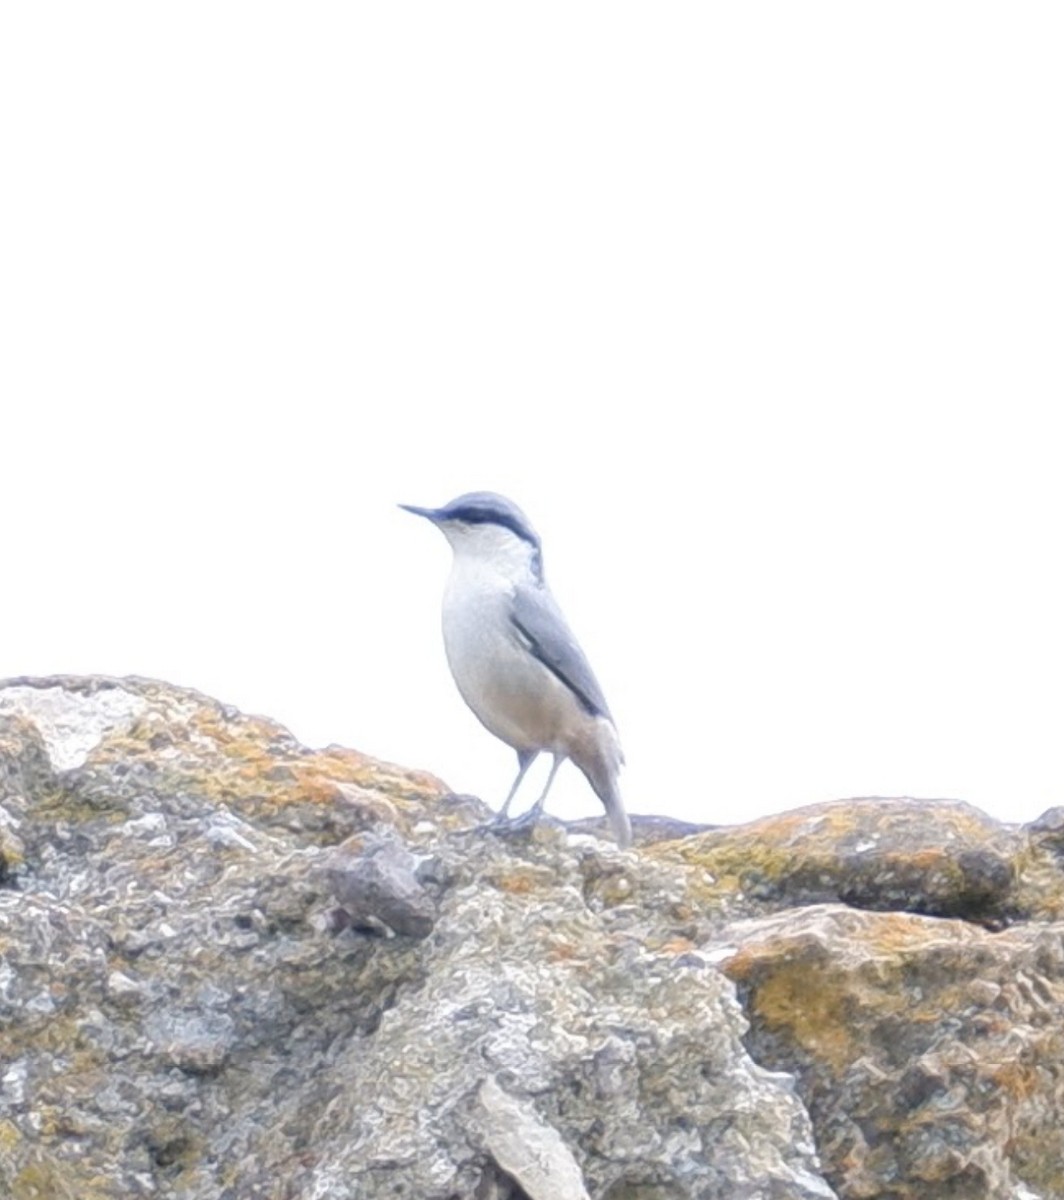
540 623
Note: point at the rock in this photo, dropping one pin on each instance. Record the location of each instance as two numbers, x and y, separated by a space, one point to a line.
1041 883
375 882
523 1146
938 857
646 828
181 1017
810 1006
930 1052
24 771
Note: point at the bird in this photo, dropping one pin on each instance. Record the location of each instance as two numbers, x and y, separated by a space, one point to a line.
514 659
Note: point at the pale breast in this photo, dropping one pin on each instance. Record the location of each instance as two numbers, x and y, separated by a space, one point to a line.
508 689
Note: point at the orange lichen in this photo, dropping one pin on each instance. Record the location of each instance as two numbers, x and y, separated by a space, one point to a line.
793 999
257 767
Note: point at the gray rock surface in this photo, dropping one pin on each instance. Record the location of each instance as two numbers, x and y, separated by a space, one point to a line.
233 967
180 1016
375 881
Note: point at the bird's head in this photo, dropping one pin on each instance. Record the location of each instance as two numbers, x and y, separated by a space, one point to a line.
487 528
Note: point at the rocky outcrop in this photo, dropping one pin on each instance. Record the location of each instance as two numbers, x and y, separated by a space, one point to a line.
231 966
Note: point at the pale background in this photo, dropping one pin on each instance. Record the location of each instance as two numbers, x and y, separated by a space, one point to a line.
756 309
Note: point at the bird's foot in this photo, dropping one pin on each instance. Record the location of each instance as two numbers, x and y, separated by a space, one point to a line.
504 826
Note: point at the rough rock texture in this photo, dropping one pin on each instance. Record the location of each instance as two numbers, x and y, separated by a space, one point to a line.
234 967
931 1053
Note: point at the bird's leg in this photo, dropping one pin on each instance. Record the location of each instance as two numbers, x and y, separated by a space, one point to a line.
530 817
537 808
525 758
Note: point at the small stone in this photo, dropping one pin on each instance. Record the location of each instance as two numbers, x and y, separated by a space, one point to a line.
376 884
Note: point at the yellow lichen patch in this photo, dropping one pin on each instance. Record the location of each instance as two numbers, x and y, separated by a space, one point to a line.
11 854
1019 1080
9 1137
818 830
924 856
807 985
257 767
1041 882
353 767
54 1179
800 1003
898 933
765 848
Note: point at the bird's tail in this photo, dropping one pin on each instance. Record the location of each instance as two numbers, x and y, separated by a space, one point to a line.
601 771
618 818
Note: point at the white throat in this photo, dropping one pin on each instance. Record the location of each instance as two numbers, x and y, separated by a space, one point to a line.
491 550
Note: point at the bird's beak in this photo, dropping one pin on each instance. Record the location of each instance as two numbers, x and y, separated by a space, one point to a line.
429 513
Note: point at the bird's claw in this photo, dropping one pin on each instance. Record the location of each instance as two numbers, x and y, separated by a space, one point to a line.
504 826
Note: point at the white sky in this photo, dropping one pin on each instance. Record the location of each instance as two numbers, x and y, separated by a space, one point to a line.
756 309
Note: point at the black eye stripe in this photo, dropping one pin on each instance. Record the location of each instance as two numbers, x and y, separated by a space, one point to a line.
479 516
